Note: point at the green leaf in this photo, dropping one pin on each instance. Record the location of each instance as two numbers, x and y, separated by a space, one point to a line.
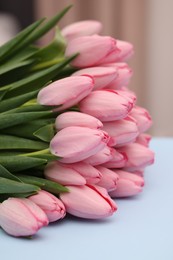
11 186
9 48
44 184
36 80
5 196
8 175
45 133
9 142
7 120
14 65
16 101
18 163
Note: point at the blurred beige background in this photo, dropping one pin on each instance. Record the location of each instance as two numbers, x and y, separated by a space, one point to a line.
148 25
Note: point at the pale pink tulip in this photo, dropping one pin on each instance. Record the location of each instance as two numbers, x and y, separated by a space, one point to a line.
92 202
143 139
118 160
65 92
61 173
77 119
93 50
21 217
126 51
89 172
81 28
124 75
76 143
109 178
121 131
51 205
142 118
101 157
138 156
106 105
102 76
125 188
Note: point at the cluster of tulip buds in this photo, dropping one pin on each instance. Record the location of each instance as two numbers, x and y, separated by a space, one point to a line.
100 141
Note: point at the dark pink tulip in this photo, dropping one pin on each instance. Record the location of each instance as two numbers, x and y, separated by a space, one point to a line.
107 105
142 117
72 118
61 173
118 160
76 143
65 92
102 76
51 205
109 178
21 217
138 156
93 50
81 28
121 131
124 75
92 202
101 157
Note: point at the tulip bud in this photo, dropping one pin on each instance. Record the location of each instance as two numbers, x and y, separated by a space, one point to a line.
86 46
51 205
143 139
61 173
65 92
81 28
90 173
138 156
108 179
142 118
106 105
121 131
21 217
124 75
101 157
118 160
77 119
76 143
102 76
88 201
138 180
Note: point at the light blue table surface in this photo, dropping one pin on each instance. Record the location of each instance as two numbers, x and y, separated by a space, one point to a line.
141 229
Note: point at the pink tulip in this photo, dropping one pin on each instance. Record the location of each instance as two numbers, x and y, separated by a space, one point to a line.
93 50
126 51
109 178
88 201
81 28
101 157
121 131
76 143
89 172
138 180
51 205
21 217
61 173
124 75
143 139
102 76
125 188
142 118
138 156
118 160
66 92
106 105
77 119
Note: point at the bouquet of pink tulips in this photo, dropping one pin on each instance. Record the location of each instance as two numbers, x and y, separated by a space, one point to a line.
72 138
